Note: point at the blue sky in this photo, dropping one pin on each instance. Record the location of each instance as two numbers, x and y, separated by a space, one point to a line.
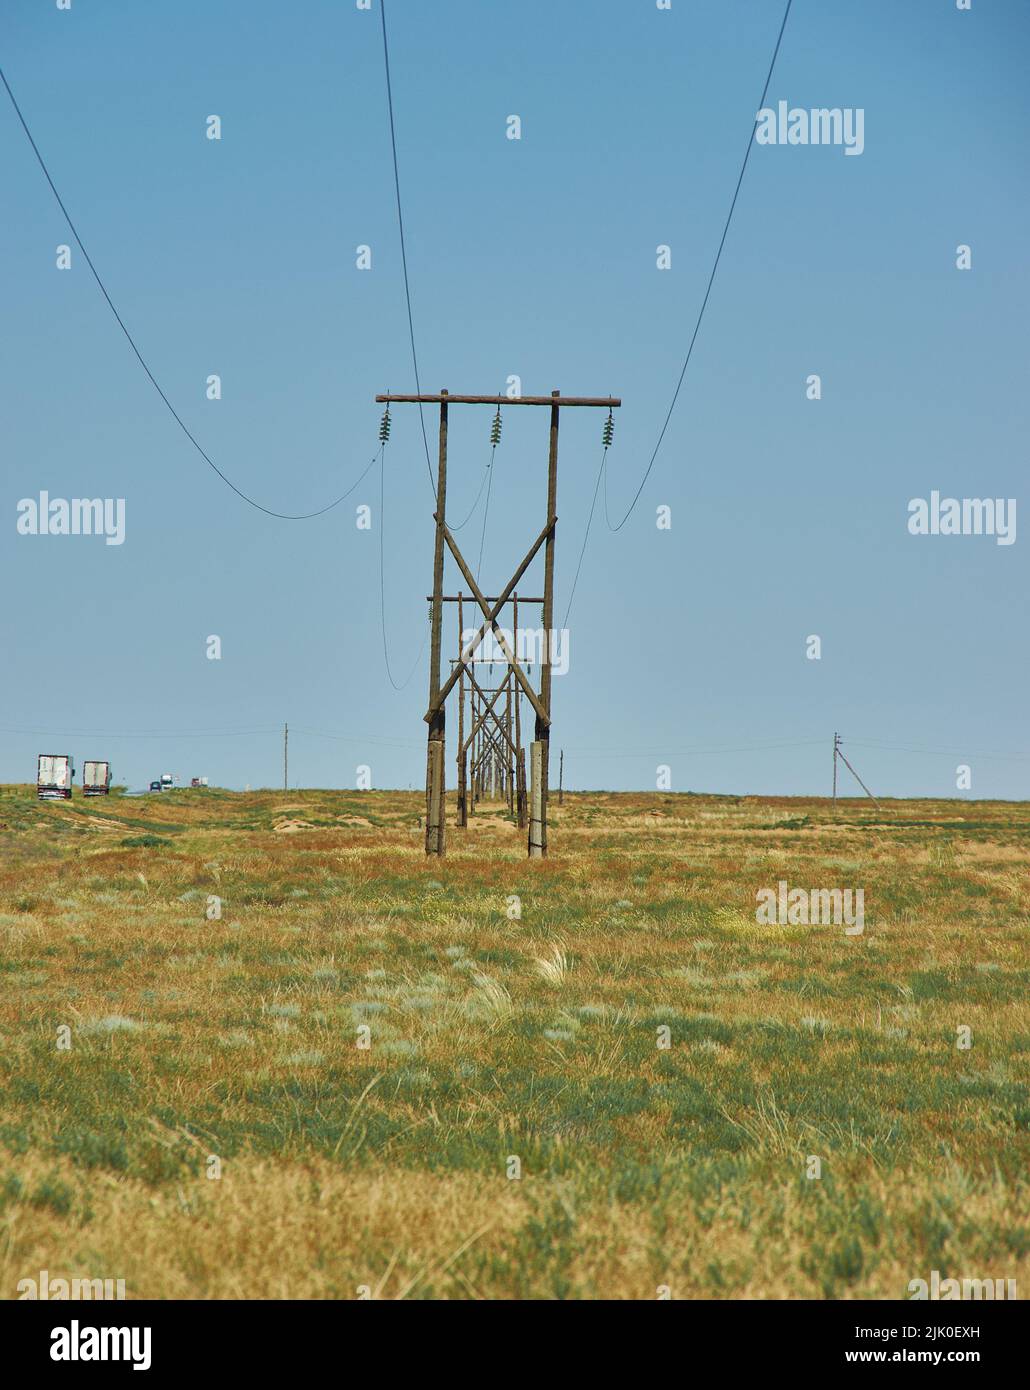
537 258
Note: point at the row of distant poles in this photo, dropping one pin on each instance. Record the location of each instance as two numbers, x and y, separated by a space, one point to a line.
489 770
492 757
490 751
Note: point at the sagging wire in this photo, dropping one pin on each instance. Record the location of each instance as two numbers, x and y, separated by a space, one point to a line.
607 438
384 438
404 249
137 352
708 288
495 439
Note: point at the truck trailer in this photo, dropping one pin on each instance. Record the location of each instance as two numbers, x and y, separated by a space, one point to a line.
96 777
54 775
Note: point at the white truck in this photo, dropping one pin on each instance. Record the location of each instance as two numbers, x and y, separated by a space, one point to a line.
96 777
54 775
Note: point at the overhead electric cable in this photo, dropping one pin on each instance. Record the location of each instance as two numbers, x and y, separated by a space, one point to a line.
708 291
694 752
486 514
382 580
281 516
360 738
874 746
586 535
475 504
145 733
404 253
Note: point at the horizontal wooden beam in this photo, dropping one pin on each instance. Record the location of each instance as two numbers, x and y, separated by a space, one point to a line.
606 402
468 598
485 661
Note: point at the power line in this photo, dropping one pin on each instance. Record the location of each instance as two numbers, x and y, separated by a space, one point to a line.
482 484
145 733
486 513
404 253
382 582
708 291
876 747
495 439
393 743
586 535
303 516
696 752
371 739
281 516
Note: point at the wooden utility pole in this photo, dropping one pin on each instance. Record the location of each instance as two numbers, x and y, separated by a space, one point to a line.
435 781
490 608
286 757
541 750
561 777
841 755
836 750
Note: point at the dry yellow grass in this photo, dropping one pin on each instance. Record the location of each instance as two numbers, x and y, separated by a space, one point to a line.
389 1169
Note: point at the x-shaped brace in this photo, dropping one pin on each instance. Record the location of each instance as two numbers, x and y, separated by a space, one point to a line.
491 623
481 720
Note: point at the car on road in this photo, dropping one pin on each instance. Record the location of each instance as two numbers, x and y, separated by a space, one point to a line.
155 786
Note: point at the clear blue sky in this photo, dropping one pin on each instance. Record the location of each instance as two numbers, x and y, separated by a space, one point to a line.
534 258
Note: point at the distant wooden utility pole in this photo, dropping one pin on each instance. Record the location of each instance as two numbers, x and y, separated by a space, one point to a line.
286 757
541 701
838 752
561 777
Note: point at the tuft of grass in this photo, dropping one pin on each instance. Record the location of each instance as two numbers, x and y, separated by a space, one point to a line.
555 967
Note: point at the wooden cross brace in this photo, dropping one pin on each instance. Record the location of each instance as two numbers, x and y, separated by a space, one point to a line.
490 613
488 710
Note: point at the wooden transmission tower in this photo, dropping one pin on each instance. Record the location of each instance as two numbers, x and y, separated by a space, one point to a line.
488 727
492 751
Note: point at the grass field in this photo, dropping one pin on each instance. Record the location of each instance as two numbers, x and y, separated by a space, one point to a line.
387 1170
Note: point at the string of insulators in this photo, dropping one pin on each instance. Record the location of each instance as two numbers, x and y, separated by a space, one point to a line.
495 429
384 427
608 434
